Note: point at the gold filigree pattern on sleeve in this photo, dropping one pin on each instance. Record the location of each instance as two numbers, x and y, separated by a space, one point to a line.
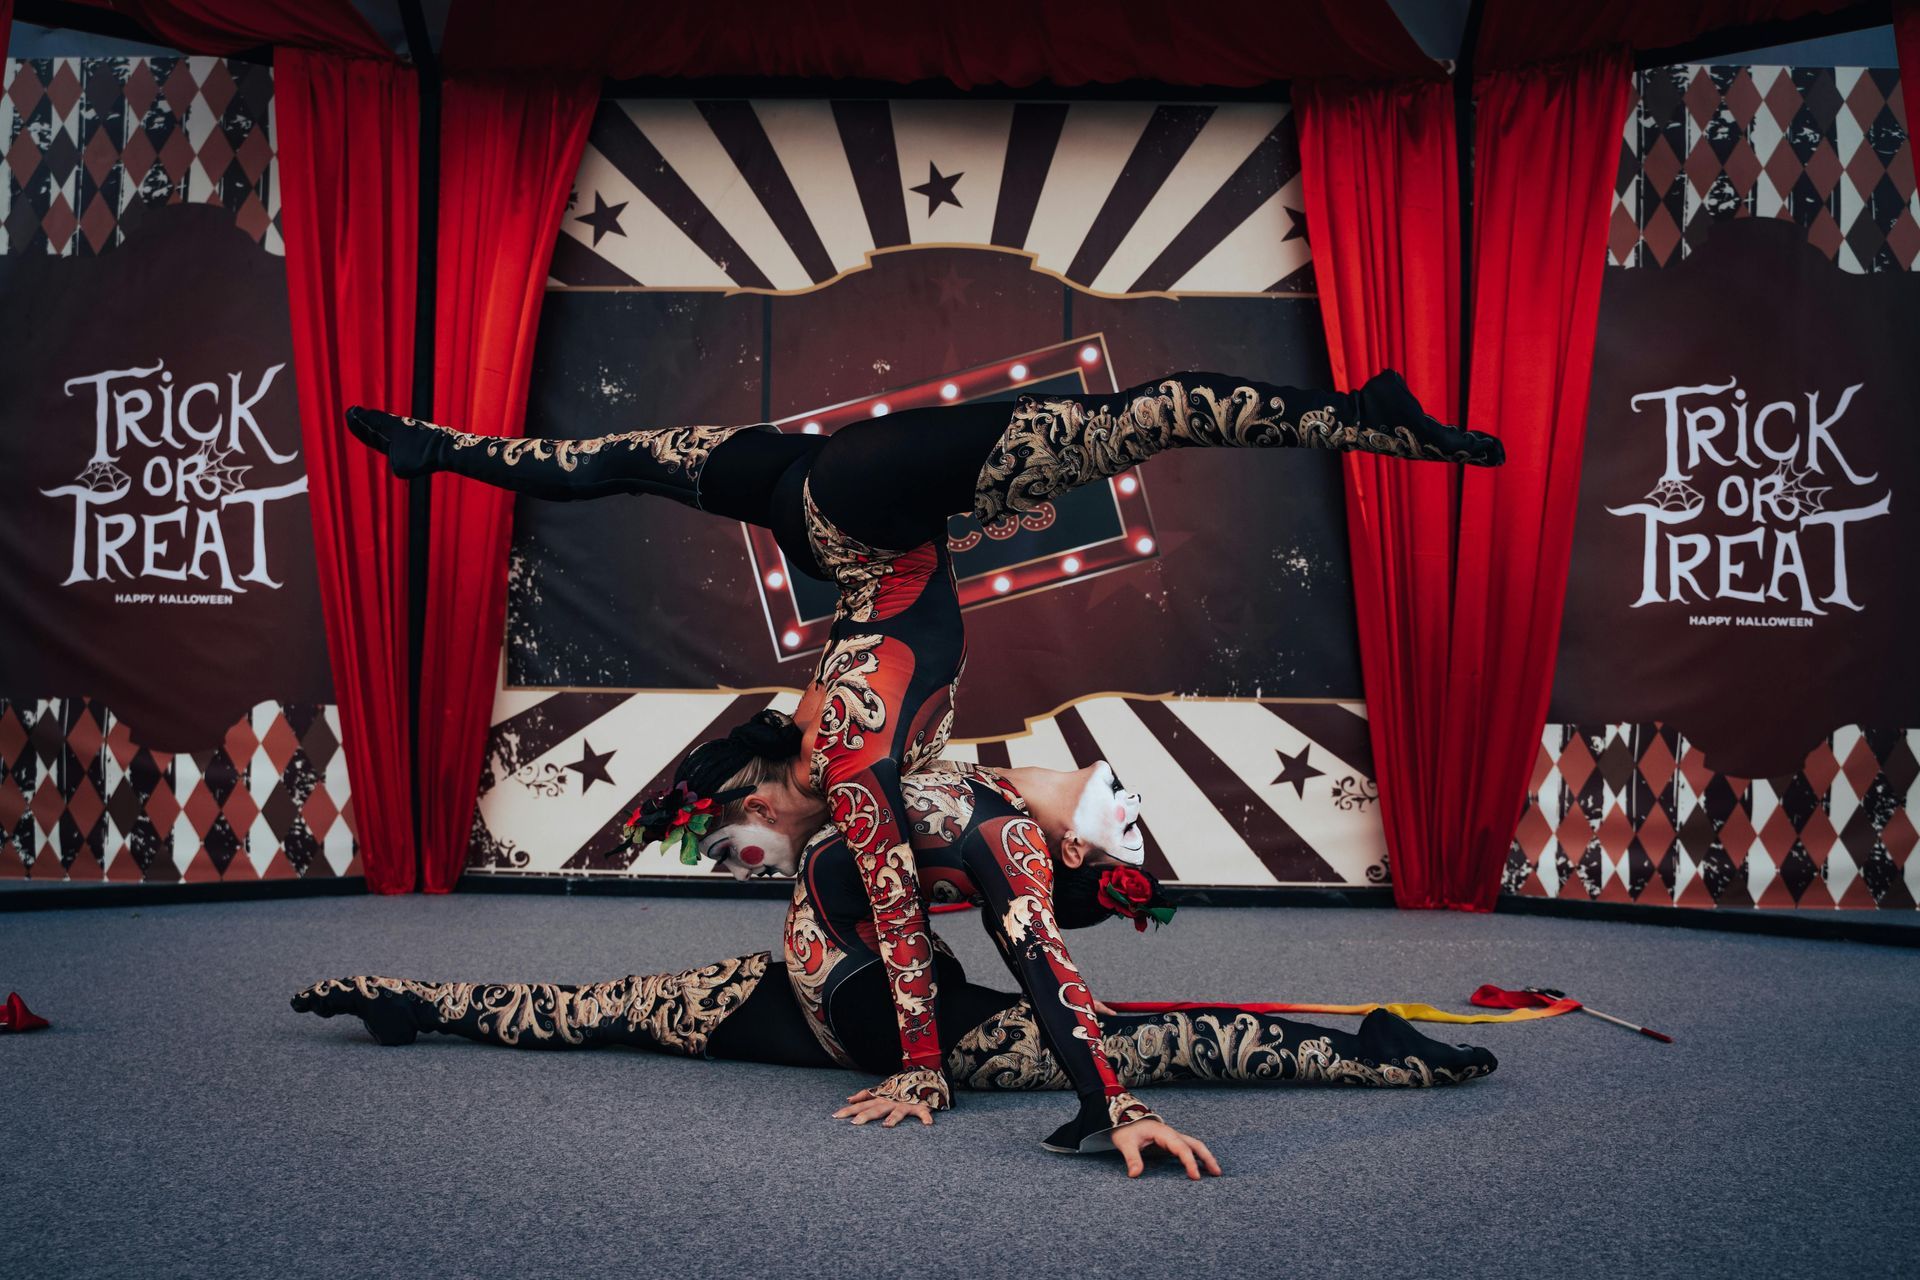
917 1084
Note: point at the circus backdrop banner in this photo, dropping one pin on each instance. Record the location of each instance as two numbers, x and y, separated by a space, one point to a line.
164 692
1734 712
811 263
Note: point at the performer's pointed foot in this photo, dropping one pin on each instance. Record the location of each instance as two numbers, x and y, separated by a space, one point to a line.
407 442
1387 404
1388 1037
385 1016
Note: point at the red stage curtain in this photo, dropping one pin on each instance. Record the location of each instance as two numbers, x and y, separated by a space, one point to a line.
1459 575
1906 39
1513 32
1380 182
1546 146
975 42
509 150
227 26
349 168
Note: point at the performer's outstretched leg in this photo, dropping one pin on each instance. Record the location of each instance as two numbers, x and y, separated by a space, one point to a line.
1221 1044
1058 443
668 1012
670 462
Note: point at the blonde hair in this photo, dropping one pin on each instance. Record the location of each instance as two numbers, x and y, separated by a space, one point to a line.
758 771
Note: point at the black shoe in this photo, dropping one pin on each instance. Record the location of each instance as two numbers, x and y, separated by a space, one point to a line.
1386 1037
385 1016
1387 405
408 443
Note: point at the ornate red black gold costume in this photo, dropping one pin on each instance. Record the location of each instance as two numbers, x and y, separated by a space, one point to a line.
867 508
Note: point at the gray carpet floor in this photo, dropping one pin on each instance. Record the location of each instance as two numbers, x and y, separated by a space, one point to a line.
179 1120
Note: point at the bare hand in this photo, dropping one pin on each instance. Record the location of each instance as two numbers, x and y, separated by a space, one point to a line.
866 1105
1103 1009
1134 1140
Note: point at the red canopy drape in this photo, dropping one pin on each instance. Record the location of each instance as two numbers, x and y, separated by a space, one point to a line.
228 26
349 174
975 42
509 149
1515 32
1381 186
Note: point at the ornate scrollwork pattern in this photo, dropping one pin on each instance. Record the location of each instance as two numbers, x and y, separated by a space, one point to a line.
1227 1046
1052 446
811 959
672 1011
682 452
918 1084
857 569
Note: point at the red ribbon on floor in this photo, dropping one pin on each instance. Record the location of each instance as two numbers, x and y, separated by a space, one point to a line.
15 1016
1524 1006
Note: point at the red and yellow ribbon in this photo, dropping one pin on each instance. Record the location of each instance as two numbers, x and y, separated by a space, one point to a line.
1520 1006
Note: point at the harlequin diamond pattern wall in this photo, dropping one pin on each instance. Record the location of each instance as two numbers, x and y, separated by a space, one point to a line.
89 140
1821 146
79 800
1632 813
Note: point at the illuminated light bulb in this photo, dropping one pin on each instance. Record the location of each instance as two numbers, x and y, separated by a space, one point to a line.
1144 546
1128 484
949 392
1003 584
1071 564
1089 355
880 409
776 579
1018 372
811 429
791 639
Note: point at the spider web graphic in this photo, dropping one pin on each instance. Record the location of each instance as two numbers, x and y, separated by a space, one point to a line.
1675 495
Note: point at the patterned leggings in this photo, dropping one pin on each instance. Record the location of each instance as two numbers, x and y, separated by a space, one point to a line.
1218 1044
731 1010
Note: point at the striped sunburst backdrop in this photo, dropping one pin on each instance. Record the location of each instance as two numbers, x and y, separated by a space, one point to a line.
784 196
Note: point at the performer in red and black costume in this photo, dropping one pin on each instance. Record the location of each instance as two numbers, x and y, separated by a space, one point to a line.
867 508
975 838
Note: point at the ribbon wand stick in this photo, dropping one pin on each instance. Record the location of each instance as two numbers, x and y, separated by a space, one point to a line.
1552 994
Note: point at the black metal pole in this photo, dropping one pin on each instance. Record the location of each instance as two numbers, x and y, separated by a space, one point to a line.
1463 70
420 491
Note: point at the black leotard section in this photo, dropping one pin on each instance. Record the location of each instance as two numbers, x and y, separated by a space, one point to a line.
743 475
891 482
788 517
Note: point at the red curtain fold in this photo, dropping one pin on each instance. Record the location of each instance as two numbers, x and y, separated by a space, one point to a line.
1460 574
349 173
1906 41
1010 42
227 26
509 150
1513 32
1546 147
1381 188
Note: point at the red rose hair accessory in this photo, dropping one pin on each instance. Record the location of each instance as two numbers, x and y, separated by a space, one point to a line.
677 817
1135 895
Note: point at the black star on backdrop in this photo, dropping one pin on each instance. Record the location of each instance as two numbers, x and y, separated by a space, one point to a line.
592 766
938 189
604 218
1296 224
1296 770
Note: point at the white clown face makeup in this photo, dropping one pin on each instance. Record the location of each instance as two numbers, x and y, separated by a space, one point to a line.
750 851
1107 816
